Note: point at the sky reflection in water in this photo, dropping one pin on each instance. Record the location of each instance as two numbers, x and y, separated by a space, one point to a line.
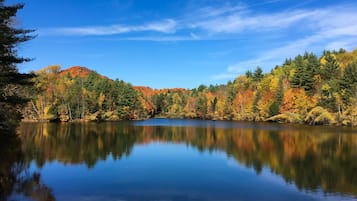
193 160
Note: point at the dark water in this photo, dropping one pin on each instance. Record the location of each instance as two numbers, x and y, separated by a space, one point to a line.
164 160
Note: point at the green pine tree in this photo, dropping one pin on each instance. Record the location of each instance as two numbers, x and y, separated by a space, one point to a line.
258 74
348 83
11 81
306 67
330 69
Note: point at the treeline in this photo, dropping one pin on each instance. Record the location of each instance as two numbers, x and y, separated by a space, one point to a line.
78 93
305 89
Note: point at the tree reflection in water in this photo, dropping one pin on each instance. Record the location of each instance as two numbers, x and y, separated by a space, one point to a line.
15 178
310 157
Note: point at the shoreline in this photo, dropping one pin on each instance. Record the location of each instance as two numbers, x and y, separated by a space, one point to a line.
183 118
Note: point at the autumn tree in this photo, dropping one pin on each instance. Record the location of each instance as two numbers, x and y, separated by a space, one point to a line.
274 107
228 102
201 105
294 101
178 103
45 94
296 91
159 102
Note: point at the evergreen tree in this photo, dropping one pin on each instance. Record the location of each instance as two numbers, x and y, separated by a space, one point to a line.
306 67
257 97
312 69
249 74
287 62
201 88
11 81
330 69
201 106
213 88
258 74
298 78
275 106
127 101
214 104
348 83
341 51
159 103
313 64
330 73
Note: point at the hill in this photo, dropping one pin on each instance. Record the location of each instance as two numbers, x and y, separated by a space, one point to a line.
75 71
305 89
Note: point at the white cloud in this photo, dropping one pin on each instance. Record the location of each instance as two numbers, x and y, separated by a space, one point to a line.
329 28
164 26
169 38
234 21
322 27
96 30
269 58
238 22
212 12
345 43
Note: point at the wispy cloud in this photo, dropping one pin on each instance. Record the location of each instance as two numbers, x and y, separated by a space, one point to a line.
165 26
169 38
239 22
345 43
213 12
275 56
328 28
216 22
322 28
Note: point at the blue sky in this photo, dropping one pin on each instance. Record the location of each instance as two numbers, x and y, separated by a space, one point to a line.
164 43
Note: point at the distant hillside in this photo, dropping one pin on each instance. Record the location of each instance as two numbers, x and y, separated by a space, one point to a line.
78 93
75 71
305 89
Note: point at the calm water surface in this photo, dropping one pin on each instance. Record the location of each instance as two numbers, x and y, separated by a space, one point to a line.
169 160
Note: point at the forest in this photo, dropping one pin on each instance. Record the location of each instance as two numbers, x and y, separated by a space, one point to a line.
307 89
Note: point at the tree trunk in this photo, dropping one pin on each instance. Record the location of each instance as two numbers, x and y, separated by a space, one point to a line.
69 112
34 108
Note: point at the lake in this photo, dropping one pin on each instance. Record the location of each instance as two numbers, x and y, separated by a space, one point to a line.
178 160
